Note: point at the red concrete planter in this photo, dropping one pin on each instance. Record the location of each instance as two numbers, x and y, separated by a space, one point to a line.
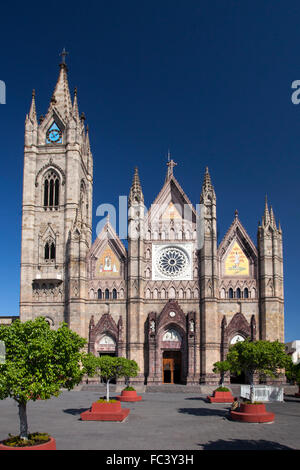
50 445
255 413
129 395
221 397
105 412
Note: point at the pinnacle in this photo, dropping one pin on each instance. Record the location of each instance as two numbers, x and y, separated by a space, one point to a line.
136 188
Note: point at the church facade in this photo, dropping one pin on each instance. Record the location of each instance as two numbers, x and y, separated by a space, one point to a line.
174 299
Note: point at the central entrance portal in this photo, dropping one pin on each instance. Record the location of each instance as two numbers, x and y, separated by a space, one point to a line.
171 367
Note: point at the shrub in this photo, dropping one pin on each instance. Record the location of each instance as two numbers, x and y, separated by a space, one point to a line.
34 439
129 389
103 400
222 389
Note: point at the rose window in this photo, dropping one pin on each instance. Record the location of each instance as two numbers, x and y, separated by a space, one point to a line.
172 262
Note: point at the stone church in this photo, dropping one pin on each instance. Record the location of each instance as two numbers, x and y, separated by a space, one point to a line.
171 302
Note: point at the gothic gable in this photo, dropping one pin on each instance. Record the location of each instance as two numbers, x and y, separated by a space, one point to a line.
107 256
237 253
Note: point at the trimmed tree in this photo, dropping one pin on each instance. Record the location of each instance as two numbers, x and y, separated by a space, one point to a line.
253 357
293 373
109 368
39 362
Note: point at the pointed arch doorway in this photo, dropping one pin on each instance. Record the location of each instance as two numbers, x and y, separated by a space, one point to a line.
171 367
171 356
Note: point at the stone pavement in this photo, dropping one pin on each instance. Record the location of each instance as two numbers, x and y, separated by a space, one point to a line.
161 421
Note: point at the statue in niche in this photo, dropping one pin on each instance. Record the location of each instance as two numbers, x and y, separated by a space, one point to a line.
152 326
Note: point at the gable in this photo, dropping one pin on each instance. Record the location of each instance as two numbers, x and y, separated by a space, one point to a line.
236 262
108 264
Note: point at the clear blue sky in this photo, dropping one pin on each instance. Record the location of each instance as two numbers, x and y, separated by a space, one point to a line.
211 80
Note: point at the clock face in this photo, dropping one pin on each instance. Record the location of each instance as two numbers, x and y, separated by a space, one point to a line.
54 135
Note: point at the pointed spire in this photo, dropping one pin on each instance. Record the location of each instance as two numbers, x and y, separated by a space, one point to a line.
272 218
87 140
75 110
266 218
207 188
136 193
32 112
61 98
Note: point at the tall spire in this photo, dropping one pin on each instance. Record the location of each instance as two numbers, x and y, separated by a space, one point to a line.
32 112
207 187
136 193
75 110
61 98
272 218
266 218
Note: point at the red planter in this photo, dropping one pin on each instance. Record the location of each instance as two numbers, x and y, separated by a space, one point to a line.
252 413
129 395
221 397
50 445
105 412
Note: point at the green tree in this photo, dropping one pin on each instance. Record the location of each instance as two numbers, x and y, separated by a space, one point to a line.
221 367
39 362
293 373
252 357
109 368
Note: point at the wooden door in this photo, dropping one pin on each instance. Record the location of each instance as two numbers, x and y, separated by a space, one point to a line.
168 370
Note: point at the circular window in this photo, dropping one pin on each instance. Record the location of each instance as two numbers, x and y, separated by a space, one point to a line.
172 261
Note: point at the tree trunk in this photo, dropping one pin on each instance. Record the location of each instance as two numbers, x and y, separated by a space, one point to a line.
23 420
107 390
251 387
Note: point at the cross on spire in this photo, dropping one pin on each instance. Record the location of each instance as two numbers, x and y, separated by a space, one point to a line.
170 165
63 54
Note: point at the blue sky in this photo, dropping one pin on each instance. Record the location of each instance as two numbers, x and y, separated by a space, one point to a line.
209 80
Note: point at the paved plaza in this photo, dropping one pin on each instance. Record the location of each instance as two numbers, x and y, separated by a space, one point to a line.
161 421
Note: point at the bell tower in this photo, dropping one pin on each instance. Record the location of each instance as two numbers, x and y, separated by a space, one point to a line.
56 209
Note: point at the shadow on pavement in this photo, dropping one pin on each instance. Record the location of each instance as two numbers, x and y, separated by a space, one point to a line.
243 444
204 412
75 411
198 399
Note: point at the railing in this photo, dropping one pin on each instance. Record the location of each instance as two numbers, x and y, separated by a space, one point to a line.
263 393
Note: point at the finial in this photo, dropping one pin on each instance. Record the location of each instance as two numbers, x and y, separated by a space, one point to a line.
33 93
75 91
169 155
63 54
170 166
236 214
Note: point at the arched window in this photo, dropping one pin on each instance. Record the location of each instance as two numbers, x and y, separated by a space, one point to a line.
52 251
51 189
49 251
238 293
99 294
246 293
230 293
106 294
114 294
